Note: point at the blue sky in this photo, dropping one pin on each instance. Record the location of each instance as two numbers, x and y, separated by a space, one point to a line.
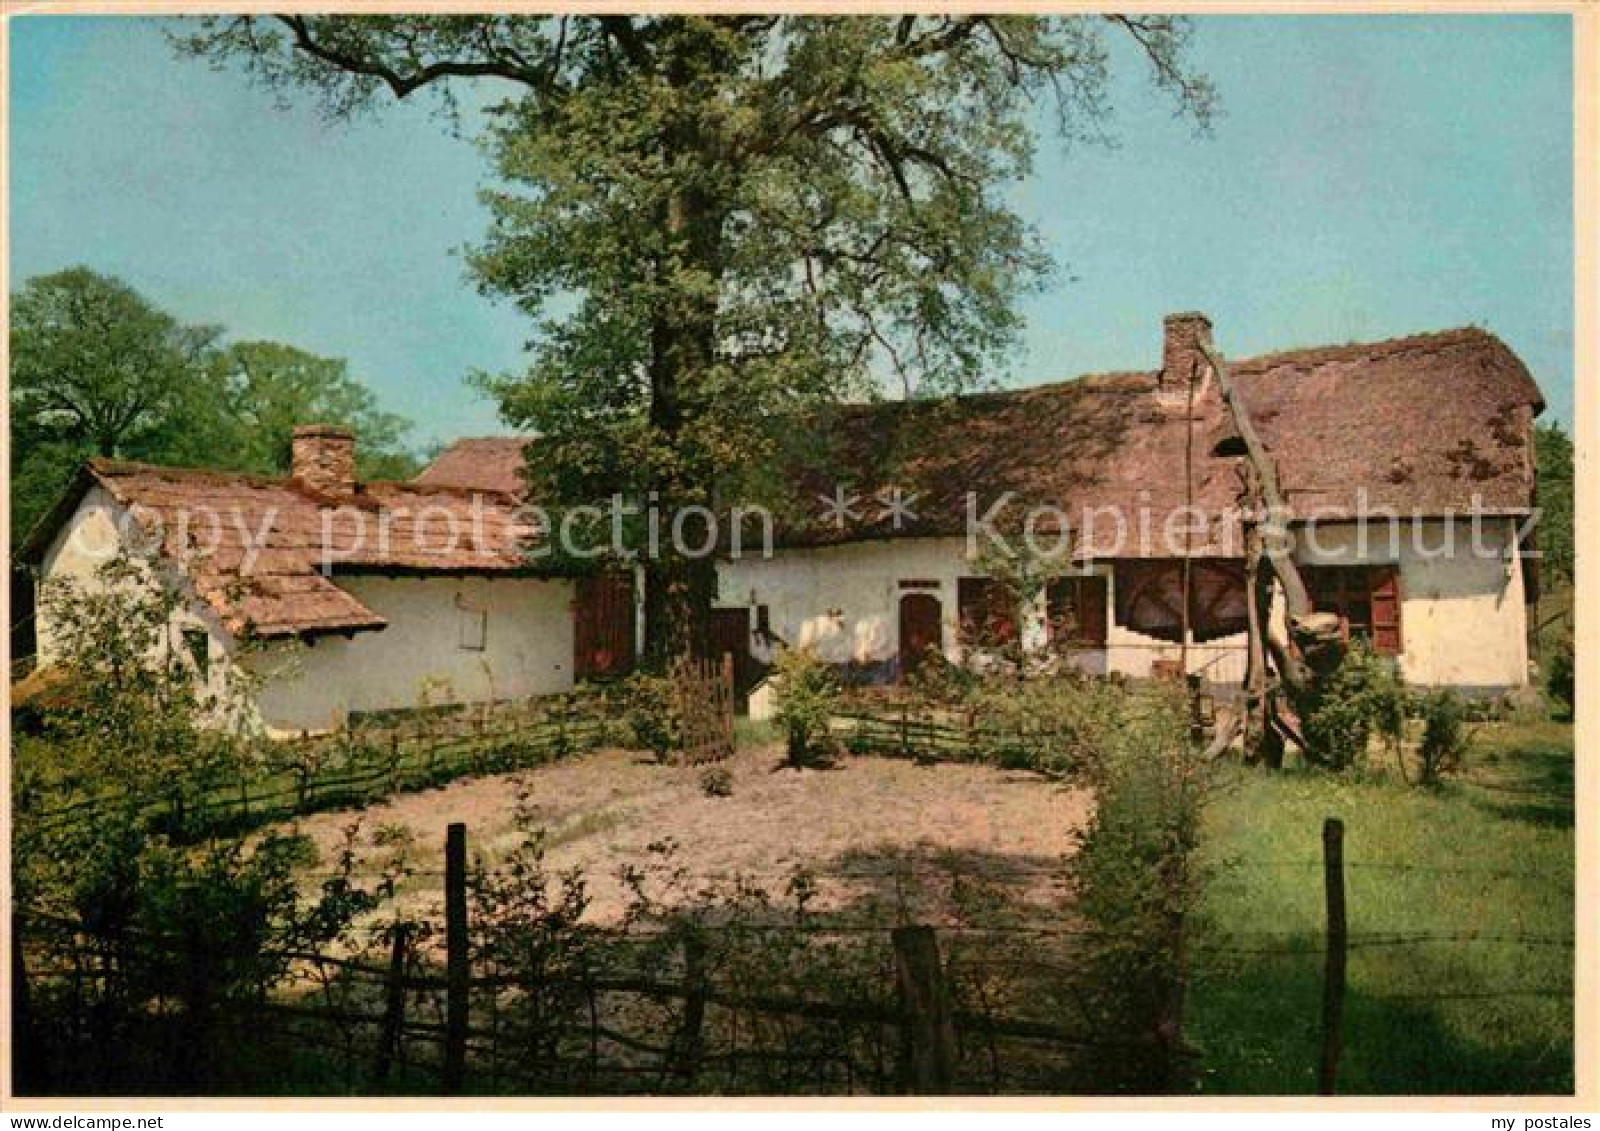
1371 176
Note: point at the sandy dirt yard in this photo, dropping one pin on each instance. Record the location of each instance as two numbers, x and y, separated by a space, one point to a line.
888 835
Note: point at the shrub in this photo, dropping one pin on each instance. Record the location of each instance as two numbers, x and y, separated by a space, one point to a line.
1444 734
1058 725
650 710
1134 887
807 696
1561 683
1364 696
716 781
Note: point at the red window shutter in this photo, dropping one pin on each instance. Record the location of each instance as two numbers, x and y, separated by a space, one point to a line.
1384 594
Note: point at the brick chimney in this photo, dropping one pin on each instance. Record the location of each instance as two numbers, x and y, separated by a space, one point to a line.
324 458
1181 360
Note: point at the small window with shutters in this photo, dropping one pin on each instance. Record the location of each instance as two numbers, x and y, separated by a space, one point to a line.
1366 600
1076 608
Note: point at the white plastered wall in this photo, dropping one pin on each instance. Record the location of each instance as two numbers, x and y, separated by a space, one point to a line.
844 601
419 658
100 529
1463 619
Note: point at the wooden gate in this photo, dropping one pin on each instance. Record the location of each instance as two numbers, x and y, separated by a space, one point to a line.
603 627
703 690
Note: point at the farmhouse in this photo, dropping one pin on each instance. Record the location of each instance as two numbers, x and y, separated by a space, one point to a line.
1408 466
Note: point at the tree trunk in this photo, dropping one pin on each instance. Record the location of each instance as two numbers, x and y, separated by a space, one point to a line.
679 589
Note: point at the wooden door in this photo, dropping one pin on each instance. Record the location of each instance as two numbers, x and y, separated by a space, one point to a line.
603 627
920 629
729 633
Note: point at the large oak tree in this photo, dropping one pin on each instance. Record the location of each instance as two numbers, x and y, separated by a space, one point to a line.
722 222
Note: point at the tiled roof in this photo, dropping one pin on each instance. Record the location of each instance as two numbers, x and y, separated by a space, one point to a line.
260 550
492 463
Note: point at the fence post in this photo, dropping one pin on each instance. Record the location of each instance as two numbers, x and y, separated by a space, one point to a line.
1334 966
690 1037
29 1057
729 700
394 1008
456 966
929 1040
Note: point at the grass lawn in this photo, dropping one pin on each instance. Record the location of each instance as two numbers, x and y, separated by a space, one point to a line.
1482 866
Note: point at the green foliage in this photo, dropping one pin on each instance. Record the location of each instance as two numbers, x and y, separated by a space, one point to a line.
526 931
1444 735
1561 682
98 370
95 370
1553 451
1064 726
807 695
267 388
1363 697
650 711
137 716
200 925
722 222
716 781
1134 887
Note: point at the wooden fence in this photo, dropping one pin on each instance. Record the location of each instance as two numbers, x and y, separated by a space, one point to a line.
379 756
689 1006
703 692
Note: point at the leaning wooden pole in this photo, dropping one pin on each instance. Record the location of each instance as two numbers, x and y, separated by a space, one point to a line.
1316 637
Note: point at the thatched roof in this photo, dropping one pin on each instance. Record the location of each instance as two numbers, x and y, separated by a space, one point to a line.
1424 425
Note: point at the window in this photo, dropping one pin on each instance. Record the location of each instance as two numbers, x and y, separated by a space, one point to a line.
472 628
1150 598
1076 607
984 610
197 641
1366 598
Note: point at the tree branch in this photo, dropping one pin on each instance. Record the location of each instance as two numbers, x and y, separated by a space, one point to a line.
403 84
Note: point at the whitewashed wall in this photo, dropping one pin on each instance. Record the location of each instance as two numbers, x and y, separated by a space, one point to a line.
528 639
844 601
418 658
1463 618
98 531
1464 621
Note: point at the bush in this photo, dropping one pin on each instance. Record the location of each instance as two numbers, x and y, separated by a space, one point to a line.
1561 683
1364 696
717 781
650 711
807 693
1134 888
1444 734
1059 725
